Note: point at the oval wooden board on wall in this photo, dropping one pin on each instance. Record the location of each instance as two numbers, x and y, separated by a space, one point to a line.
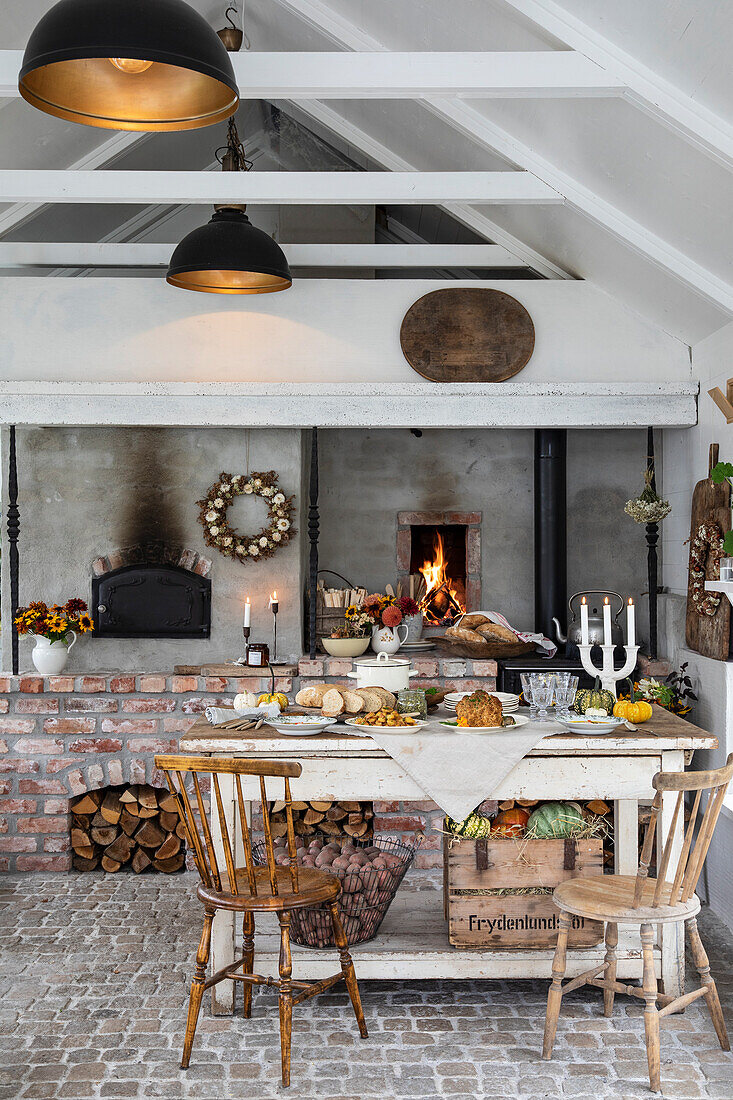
467 334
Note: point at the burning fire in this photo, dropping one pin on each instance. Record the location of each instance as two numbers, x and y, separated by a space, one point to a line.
441 600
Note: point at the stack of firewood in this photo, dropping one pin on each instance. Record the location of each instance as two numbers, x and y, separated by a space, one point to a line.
327 819
136 826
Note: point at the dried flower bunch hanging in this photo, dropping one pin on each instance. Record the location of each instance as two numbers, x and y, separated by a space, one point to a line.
649 506
219 533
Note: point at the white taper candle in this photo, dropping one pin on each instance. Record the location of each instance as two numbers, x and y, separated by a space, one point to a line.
606 621
631 622
584 621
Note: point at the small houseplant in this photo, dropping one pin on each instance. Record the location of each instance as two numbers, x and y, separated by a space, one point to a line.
352 638
55 631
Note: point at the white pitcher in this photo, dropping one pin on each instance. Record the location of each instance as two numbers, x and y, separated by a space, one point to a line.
386 639
50 657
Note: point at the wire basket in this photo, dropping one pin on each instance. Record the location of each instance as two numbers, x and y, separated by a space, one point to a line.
366 894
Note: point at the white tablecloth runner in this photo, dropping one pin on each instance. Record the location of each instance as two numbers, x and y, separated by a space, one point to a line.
456 768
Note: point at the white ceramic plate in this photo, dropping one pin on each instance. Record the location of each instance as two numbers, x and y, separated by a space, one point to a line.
300 725
503 696
418 645
365 729
587 725
520 720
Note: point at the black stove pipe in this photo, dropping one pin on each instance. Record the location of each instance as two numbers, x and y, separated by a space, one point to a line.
550 529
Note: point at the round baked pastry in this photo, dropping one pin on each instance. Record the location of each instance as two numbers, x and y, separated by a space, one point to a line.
479 709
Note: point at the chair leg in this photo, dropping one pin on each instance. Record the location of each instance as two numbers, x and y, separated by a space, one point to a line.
197 987
651 1012
554 997
286 996
702 963
347 967
610 972
248 943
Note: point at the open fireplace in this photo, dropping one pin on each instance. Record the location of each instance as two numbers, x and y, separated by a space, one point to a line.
439 562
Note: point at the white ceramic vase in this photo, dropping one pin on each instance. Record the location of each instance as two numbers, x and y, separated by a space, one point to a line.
386 639
50 657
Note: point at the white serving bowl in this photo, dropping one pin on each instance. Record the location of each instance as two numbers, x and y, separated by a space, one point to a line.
346 647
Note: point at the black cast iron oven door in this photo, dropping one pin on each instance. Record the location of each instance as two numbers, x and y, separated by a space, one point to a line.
151 601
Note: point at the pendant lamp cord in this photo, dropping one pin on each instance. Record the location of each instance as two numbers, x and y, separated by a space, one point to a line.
231 156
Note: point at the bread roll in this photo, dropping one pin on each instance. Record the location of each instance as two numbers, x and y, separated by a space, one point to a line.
473 621
495 632
333 703
465 634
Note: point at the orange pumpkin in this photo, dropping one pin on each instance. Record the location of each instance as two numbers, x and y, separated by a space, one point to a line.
510 822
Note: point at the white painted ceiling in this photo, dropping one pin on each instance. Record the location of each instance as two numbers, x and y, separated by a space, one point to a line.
629 178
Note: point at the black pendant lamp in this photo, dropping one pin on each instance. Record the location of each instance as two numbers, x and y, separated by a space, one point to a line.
229 255
128 65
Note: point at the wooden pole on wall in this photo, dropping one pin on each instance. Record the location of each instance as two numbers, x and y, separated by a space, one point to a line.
313 529
13 532
652 537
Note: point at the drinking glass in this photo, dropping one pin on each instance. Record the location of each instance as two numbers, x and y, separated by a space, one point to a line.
542 687
566 685
526 679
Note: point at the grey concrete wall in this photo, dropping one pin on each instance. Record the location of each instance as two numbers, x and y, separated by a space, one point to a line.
368 476
85 492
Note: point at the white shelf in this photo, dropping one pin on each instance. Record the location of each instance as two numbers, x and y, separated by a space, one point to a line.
413 944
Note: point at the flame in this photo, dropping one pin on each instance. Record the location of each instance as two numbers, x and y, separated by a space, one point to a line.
435 575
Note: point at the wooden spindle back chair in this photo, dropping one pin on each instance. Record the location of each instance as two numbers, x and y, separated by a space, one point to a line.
219 835
669 897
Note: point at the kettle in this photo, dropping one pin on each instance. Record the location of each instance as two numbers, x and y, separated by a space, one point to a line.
595 618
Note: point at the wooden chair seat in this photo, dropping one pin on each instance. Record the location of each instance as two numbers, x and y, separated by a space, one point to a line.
314 887
611 898
668 898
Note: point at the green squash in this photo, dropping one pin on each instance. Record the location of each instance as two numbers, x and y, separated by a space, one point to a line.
555 820
472 827
593 699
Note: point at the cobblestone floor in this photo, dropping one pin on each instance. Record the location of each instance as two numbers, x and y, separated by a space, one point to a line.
96 969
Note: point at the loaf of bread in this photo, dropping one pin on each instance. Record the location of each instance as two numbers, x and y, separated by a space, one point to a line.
495 632
333 703
353 703
372 699
464 634
473 621
312 696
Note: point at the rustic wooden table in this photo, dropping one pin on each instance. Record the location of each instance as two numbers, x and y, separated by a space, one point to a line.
413 941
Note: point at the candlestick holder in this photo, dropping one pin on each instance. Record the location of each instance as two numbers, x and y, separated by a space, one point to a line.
607 673
274 608
245 632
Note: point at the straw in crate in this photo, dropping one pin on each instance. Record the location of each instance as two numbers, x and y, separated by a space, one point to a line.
370 874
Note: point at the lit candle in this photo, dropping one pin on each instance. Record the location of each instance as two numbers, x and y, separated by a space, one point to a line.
274 603
584 621
247 612
631 622
606 621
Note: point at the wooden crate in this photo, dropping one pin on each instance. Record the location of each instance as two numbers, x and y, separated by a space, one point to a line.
477 918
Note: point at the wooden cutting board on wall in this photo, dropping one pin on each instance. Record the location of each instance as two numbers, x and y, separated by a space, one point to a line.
709 634
467 334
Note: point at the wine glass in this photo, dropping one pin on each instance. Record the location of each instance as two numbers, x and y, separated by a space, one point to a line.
542 686
566 685
526 678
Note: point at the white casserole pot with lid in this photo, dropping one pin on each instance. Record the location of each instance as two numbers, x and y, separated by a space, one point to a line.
392 673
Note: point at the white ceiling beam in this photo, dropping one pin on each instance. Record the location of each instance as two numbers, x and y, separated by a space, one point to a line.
107 152
467 215
647 90
553 73
301 188
475 125
97 254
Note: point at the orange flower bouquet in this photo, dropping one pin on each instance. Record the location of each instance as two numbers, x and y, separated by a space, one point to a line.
55 629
